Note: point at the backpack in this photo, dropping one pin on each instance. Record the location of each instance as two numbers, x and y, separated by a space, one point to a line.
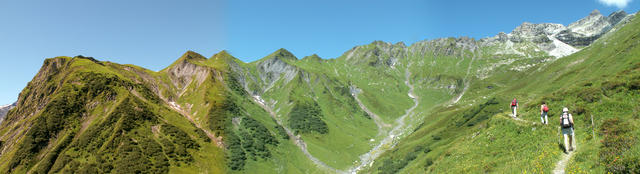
565 120
514 102
545 108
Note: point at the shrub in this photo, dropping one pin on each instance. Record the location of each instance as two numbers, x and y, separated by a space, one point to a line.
589 95
428 163
617 140
236 157
479 113
129 158
436 137
202 135
61 112
283 133
393 166
221 113
427 150
306 118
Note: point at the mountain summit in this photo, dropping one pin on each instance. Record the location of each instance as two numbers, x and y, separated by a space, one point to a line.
435 106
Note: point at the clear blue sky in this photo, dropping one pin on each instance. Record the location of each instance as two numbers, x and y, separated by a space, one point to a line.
152 34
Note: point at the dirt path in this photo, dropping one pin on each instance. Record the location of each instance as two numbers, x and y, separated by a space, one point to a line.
296 139
562 164
389 142
521 120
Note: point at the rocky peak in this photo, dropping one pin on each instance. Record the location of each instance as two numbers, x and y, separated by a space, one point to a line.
221 54
182 71
380 43
377 53
273 67
615 17
190 55
281 54
591 25
224 56
313 57
595 12
556 38
529 30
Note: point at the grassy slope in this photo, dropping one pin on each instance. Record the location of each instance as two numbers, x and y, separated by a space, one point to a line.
349 130
500 144
451 139
98 118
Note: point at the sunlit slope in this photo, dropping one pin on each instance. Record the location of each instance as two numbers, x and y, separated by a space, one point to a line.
478 136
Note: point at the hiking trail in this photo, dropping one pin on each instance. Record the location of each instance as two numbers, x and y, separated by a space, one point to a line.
562 164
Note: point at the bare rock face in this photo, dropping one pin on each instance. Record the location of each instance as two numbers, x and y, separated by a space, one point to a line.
591 25
183 72
274 67
556 39
37 93
529 31
4 109
616 17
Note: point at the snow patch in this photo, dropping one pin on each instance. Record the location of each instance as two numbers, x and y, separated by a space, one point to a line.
560 49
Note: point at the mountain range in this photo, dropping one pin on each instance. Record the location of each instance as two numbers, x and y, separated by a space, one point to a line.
435 106
4 109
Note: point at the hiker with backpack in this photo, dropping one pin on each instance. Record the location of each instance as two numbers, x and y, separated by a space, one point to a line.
544 109
514 106
566 123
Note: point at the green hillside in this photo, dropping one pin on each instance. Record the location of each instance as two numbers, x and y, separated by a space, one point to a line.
436 106
477 135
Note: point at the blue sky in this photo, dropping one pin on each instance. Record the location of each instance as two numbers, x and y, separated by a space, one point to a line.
152 34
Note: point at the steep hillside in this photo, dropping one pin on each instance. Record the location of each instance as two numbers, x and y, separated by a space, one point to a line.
435 106
476 135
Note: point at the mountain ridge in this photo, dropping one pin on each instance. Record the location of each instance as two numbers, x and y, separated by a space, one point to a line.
232 116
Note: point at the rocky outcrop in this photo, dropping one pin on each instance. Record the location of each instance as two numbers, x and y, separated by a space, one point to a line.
313 57
37 93
591 25
274 67
556 39
378 53
535 32
444 47
185 70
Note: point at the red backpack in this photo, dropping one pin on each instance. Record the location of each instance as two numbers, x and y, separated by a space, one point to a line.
545 108
514 102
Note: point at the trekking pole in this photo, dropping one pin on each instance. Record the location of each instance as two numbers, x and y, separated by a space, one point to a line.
559 138
593 129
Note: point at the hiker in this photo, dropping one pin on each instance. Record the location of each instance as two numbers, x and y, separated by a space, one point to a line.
543 113
514 106
566 122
